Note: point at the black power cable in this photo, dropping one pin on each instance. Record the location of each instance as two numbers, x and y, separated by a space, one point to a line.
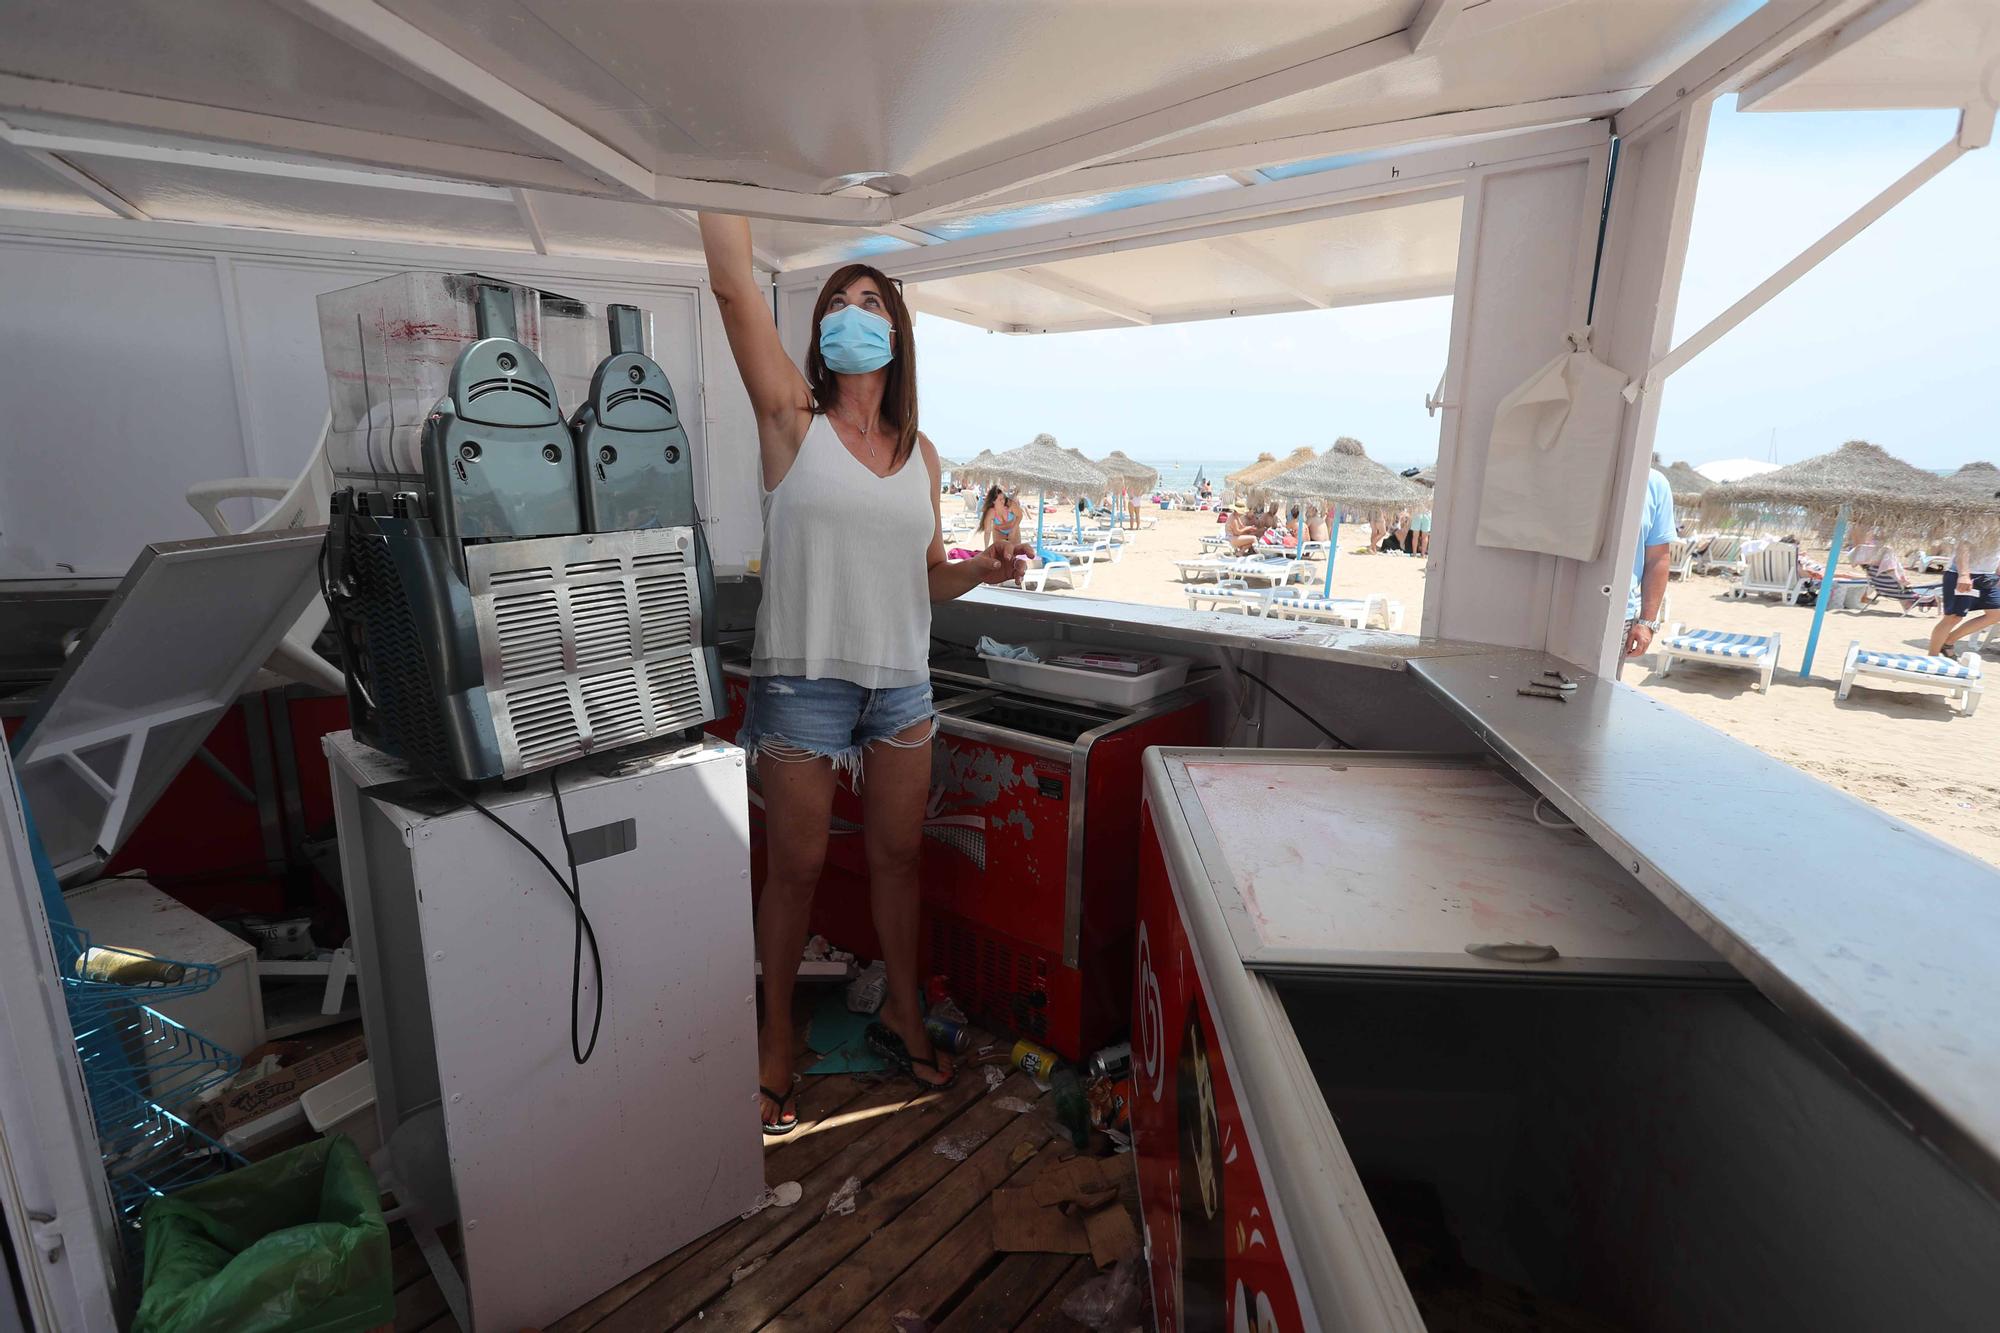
1279 695
584 932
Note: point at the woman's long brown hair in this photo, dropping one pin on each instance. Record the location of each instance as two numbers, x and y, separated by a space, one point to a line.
899 395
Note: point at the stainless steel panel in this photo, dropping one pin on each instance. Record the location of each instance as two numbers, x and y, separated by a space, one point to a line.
1882 941
589 641
1376 862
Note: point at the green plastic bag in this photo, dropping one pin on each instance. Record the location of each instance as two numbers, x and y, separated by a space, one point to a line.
294 1244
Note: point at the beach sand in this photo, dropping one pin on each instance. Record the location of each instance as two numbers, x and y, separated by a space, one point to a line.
1902 748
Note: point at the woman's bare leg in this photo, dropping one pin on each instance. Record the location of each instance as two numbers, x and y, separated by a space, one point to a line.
798 805
895 786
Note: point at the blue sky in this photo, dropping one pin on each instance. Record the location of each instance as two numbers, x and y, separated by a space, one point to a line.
1894 339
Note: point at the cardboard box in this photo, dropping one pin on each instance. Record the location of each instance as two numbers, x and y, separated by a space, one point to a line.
284 1086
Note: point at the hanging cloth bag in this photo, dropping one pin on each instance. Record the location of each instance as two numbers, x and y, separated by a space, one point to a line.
1551 458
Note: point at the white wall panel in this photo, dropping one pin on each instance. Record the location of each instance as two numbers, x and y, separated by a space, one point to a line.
1524 271
136 361
116 376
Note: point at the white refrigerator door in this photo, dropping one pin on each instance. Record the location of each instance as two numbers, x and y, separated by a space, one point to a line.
52 1190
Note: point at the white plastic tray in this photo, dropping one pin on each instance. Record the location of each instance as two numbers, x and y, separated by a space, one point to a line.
1099 687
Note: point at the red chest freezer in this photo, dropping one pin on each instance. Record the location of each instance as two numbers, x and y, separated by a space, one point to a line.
1408 1056
1030 855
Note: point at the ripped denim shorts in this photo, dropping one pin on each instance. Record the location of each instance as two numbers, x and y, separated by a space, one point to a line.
792 718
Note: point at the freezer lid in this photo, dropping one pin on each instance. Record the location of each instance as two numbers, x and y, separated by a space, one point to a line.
189 625
1368 861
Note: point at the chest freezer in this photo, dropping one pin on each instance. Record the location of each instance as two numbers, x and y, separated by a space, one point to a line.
1410 1054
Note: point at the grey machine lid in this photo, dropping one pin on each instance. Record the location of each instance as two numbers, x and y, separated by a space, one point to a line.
189 625
1413 863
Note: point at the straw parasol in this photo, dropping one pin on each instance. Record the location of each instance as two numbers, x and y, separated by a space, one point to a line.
1879 490
1042 465
1685 481
1346 475
1425 476
1128 473
1980 480
1243 476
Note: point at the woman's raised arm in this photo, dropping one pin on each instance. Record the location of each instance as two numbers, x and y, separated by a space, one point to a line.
778 392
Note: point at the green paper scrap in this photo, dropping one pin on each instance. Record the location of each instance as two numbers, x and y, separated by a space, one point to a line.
838 1035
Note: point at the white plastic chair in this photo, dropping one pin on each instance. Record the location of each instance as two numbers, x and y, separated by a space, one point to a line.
301 503
1772 572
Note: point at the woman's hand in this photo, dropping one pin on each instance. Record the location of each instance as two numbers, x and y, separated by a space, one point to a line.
1002 562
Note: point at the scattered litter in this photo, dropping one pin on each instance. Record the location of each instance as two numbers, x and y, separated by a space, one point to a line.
840 1037
1022 1152
782 1196
909 1321
748 1269
1113 1238
842 1202
959 1146
1111 1300
1034 1060
1112 1061
867 991
817 948
1089 1181
995 1076
1110 1104
1014 1104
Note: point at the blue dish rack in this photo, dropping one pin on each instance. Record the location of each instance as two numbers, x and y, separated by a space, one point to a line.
144 1072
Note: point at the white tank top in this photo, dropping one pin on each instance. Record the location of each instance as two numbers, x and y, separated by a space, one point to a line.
846 585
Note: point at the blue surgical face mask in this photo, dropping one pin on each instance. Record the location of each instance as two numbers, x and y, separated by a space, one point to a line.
853 341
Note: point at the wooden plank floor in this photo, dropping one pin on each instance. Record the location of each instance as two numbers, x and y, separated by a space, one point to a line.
918 1239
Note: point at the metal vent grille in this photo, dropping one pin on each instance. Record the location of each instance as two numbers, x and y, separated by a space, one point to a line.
589 641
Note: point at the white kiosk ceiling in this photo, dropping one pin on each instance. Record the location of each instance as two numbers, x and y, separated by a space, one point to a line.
590 126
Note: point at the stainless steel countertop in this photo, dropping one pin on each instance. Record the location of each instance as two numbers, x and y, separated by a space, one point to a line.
1882 941
1227 629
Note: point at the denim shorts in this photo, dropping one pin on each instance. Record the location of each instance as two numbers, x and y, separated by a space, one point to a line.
1985 594
833 719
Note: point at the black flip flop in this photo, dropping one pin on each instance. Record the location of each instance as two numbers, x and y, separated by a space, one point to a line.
882 1039
782 1127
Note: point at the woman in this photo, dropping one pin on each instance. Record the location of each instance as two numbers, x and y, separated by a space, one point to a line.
999 520
840 677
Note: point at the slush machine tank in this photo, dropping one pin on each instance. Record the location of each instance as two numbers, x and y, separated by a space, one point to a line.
495 616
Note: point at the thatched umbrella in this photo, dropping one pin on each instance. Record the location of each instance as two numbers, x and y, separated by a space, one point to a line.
1686 482
1043 465
1425 476
1344 475
1243 476
1980 480
1128 472
1860 481
1876 488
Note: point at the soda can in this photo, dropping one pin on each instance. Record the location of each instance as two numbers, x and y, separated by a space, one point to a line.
1112 1061
1035 1061
948 1035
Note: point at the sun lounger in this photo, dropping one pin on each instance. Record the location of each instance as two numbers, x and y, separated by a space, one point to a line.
1723 556
1229 595
1374 611
1065 574
1906 595
1680 558
1960 675
1772 572
1754 652
1250 568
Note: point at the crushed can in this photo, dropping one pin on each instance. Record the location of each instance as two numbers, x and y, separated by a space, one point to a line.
1034 1061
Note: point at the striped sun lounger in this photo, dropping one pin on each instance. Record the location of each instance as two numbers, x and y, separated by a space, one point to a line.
1228 595
1753 652
1371 612
1908 596
1960 675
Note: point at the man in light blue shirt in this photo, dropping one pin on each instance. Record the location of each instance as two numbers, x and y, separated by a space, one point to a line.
1649 565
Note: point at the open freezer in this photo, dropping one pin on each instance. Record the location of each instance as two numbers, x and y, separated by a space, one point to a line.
1410 1053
